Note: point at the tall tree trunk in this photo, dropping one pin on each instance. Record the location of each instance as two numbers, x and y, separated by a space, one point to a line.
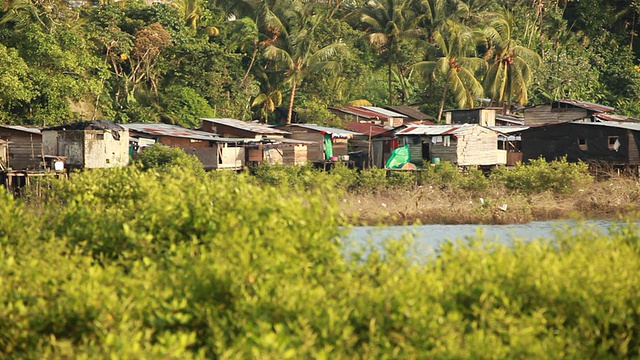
253 60
293 94
444 94
403 83
390 85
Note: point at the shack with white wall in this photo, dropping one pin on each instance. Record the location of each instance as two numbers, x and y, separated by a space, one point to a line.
464 145
88 144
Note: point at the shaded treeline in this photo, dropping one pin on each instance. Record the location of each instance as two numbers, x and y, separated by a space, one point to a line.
174 62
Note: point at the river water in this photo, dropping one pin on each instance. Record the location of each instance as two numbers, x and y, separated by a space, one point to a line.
427 238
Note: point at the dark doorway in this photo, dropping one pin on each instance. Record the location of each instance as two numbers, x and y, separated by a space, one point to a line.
425 151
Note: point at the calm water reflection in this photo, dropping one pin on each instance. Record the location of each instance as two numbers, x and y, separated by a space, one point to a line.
428 237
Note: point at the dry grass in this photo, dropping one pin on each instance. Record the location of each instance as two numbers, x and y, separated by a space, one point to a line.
430 205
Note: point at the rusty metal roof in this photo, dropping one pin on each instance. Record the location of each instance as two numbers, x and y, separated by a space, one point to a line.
410 111
614 124
23 129
247 126
586 105
615 117
368 112
368 128
169 130
434 130
334 132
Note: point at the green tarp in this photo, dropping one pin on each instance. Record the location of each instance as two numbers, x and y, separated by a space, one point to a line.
398 157
328 146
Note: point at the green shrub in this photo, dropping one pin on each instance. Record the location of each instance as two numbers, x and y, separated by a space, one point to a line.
125 263
372 179
159 156
539 175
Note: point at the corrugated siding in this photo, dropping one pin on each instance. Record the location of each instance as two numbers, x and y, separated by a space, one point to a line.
634 155
340 147
25 152
315 152
273 156
295 155
544 114
415 153
445 153
477 148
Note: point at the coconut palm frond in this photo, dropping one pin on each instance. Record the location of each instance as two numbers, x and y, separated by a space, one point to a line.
425 67
275 53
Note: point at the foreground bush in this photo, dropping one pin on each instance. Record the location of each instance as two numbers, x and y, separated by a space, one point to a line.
131 264
539 175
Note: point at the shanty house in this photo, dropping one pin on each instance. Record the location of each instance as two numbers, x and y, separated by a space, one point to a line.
263 143
563 110
464 145
280 151
372 114
212 151
88 144
612 143
510 140
24 147
326 142
480 116
414 115
4 155
376 144
240 129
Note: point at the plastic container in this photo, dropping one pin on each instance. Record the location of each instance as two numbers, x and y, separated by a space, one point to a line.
435 161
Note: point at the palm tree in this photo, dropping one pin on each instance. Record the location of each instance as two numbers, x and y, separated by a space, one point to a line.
389 23
510 70
191 11
296 51
455 42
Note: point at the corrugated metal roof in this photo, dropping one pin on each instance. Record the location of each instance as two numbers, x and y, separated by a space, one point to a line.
410 112
22 128
358 111
508 129
386 113
247 126
586 105
170 130
613 124
434 130
511 119
334 132
616 117
367 128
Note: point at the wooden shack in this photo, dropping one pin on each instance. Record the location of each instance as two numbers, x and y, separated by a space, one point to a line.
233 128
564 110
4 155
24 147
369 114
480 116
324 142
609 143
375 144
88 144
278 151
212 151
464 145
510 140
413 115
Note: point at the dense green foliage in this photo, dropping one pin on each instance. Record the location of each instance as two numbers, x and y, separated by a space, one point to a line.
539 175
124 263
557 176
174 62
